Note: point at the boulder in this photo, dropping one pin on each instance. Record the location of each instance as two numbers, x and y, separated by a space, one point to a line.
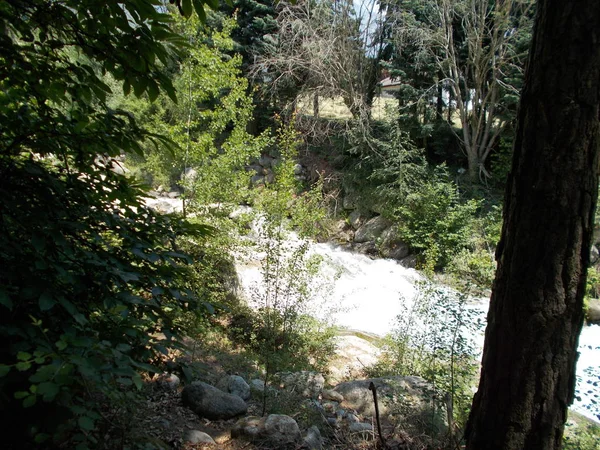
313 440
407 398
329 394
236 385
410 262
168 381
257 385
212 403
257 180
307 384
197 437
265 161
357 218
392 245
298 169
593 311
274 430
367 248
594 255
361 428
350 200
372 229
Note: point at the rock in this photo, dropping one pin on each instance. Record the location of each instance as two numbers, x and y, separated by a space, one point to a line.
594 255
298 169
257 385
236 385
392 245
173 194
257 180
265 161
307 384
189 174
258 169
275 429
313 440
212 403
197 437
329 394
593 311
364 429
270 177
410 262
357 218
372 229
367 248
351 418
350 200
409 398
168 381
329 407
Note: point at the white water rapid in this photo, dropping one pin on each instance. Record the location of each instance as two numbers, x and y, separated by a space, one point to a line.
367 294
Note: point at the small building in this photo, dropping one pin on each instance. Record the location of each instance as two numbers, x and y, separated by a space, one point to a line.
389 85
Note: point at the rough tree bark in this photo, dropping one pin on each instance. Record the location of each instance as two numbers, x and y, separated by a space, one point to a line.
528 372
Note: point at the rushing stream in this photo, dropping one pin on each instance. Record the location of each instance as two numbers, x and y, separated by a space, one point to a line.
364 294
367 294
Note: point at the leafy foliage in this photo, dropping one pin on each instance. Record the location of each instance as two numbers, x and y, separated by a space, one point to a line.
88 271
434 338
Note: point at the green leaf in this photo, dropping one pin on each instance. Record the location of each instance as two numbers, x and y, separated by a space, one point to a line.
86 423
4 369
5 299
29 401
23 366
214 4
49 390
153 90
21 394
199 7
186 6
46 301
23 356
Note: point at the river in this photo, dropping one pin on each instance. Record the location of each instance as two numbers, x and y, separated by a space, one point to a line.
367 295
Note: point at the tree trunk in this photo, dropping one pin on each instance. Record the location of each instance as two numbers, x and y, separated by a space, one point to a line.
316 105
536 310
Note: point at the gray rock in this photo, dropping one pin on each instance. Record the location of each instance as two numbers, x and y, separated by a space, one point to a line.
594 255
168 381
197 437
365 429
265 161
593 311
410 262
367 248
307 384
257 180
212 403
298 169
275 429
409 398
329 394
313 440
257 385
236 385
351 418
350 200
189 174
173 194
357 218
270 177
392 245
258 169
371 230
